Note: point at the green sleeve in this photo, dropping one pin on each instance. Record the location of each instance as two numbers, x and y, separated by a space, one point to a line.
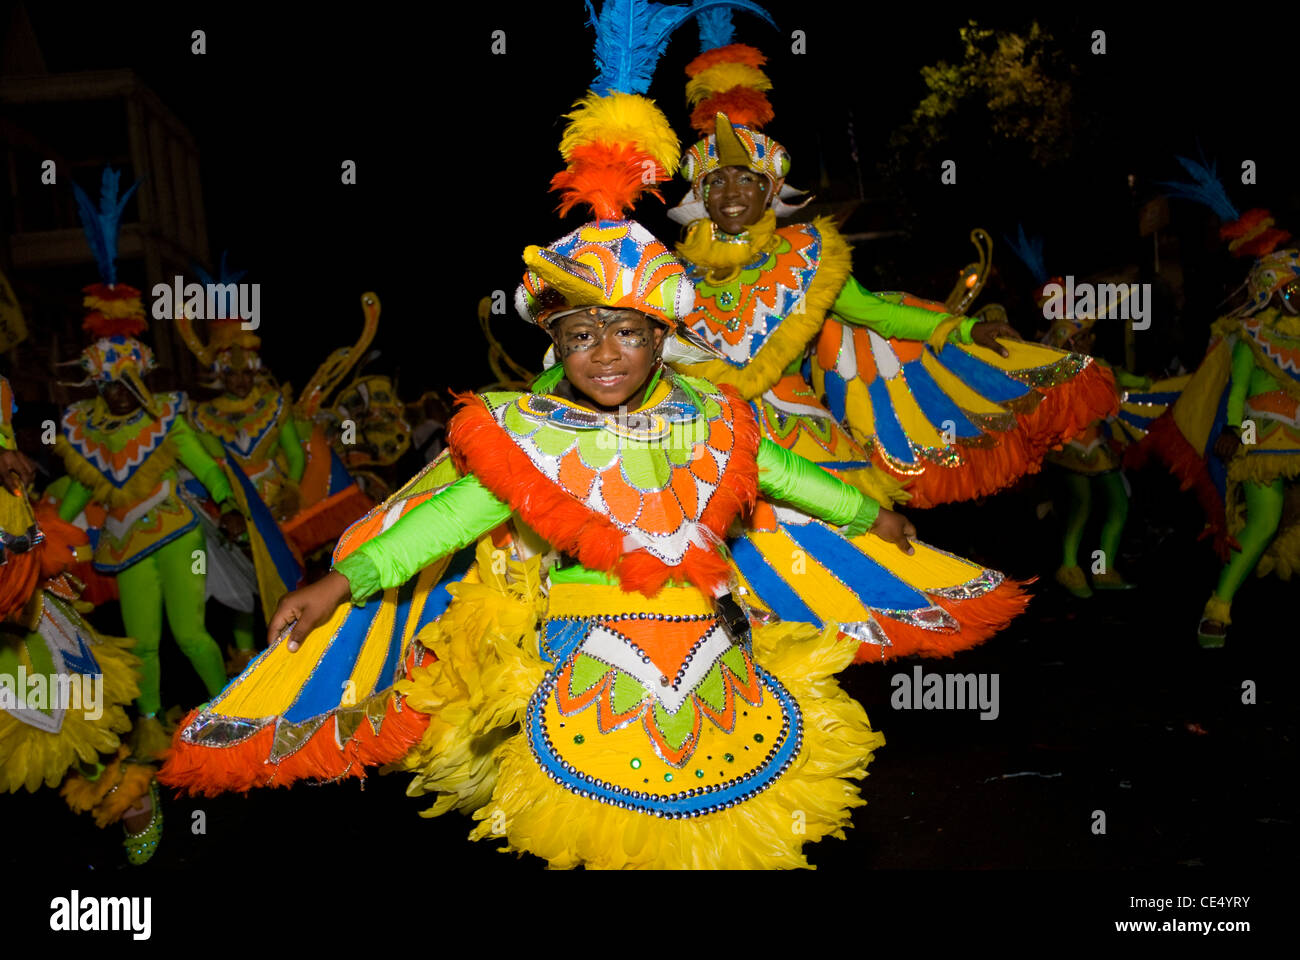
790 478
444 523
74 501
859 306
191 452
1130 380
291 444
210 443
1243 363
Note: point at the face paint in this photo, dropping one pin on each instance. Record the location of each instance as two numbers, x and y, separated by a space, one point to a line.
608 354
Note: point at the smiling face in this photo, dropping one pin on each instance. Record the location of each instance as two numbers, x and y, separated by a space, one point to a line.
735 197
608 354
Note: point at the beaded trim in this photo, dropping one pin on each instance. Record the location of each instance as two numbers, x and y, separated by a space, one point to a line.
686 804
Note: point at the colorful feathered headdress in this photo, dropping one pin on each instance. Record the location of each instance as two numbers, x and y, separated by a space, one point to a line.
1029 250
618 144
229 346
115 308
619 265
116 311
727 91
1250 234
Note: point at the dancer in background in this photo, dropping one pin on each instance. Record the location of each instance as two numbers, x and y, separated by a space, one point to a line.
64 687
122 449
1234 435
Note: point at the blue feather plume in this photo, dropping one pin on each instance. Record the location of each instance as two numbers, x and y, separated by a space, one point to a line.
717 30
226 276
1206 188
102 225
1030 251
229 304
631 36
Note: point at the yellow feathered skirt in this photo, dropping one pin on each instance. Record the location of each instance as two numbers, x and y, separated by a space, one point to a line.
632 732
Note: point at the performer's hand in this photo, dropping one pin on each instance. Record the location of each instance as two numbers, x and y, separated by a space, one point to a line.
894 528
310 606
986 333
12 461
233 524
1227 445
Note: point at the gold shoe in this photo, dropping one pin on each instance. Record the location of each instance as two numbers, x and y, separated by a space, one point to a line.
1111 580
1072 579
143 845
1216 611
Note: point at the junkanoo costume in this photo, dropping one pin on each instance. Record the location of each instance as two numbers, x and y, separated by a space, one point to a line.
865 385
64 686
1093 460
255 441
129 464
592 692
1249 383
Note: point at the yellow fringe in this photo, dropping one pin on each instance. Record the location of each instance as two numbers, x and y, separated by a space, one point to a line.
142 483
31 757
722 258
791 338
1283 555
813 799
475 759
488 666
115 791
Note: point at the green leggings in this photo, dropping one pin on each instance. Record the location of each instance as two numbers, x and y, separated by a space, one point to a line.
166 577
1263 514
1076 520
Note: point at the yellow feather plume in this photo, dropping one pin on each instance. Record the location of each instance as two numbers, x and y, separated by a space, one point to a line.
622 118
724 76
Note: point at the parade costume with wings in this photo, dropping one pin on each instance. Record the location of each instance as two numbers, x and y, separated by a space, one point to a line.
254 440
847 377
592 691
1248 384
64 687
1092 460
761 299
129 464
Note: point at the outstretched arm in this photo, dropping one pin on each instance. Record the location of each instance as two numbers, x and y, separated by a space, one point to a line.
453 518
858 305
788 477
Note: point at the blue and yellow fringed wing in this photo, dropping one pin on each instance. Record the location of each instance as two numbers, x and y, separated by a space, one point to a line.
959 421
328 710
1140 408
797 569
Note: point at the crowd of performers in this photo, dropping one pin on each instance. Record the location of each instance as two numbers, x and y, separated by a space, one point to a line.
607 620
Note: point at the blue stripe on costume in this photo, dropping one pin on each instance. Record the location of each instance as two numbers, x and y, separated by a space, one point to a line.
889 433
874 585
340 479
980 376
767 583
392 660
323 691
934 403
836 389
263 525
